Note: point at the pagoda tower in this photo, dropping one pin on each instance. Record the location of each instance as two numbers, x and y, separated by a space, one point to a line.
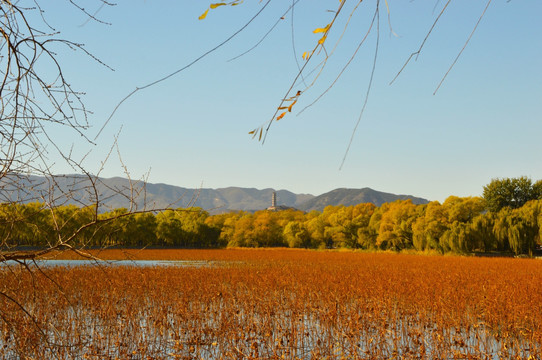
273 206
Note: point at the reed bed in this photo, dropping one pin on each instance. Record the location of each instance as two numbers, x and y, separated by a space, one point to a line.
276 304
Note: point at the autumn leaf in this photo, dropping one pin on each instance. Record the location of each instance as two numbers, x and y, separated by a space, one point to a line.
322 30
281 116
291 105
322 40
214 6
204 15
252 132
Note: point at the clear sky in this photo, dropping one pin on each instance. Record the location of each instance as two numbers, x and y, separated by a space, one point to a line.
192 129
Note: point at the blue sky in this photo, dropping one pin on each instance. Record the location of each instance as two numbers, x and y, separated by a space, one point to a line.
192 130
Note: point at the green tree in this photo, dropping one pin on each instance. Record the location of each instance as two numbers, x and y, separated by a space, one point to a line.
483 234
169 229
458 238
140 230
518 229
196 232
511 192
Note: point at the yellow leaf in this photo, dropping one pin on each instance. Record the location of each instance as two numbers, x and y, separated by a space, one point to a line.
322 40
281 116
251 132
204 15
322 30
283 107
261 131
214 6
291 105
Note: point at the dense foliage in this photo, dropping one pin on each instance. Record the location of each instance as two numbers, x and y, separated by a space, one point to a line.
511 192
459 225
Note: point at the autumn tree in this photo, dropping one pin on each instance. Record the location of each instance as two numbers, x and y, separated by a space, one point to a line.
395 230
316 226
482 230
227 224
518 230
367 236
338 222
429 227
296 235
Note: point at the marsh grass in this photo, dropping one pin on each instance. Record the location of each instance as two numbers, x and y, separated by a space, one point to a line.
272 304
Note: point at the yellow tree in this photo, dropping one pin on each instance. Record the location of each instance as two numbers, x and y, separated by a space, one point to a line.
460 237
428 228
395 231
266 230
242 231
296 235
316 227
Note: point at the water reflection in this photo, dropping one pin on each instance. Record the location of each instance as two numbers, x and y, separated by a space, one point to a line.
134 263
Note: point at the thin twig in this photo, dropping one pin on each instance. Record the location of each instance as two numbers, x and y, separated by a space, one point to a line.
368 89
137 89
464 46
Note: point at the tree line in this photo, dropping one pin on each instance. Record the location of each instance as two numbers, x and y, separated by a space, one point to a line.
507 218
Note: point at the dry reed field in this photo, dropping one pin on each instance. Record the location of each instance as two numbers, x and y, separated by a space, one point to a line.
275 304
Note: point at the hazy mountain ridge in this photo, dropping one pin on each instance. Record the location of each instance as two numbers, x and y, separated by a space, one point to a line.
116 193
348 197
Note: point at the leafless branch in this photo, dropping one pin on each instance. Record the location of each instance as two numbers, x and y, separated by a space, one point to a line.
170 75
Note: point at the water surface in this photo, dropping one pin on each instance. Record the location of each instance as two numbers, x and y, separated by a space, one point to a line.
134 263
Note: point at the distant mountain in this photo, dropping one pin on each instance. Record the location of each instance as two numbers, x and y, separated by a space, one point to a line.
116 193
348 197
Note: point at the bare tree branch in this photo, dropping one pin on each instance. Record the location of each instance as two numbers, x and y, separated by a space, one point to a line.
182 68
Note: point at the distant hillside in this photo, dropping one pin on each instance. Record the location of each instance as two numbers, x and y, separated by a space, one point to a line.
348 197
115 193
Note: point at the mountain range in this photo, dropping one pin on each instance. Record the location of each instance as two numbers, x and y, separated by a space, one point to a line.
348 197
116 193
